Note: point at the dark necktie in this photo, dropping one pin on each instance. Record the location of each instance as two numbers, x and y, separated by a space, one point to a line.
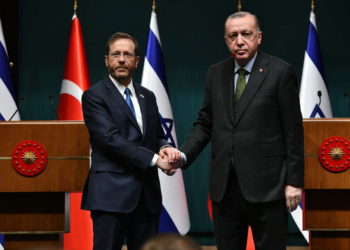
129 101
241 83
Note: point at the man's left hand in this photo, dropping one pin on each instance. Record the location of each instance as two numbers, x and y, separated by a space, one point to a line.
293 197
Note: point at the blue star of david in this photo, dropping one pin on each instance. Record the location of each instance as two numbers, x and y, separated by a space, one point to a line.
168 124
317 110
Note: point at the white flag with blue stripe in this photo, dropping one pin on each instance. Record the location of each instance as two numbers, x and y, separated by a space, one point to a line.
7 94
314 99
174 217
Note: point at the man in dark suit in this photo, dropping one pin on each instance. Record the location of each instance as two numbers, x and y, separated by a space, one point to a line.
251 115
123 191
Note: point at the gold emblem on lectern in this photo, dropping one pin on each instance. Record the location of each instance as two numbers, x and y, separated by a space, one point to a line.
29 157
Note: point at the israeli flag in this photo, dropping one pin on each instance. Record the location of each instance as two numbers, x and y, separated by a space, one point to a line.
7 94
174 217
2 241
314 99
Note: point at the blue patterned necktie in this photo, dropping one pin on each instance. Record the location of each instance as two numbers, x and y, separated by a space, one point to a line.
129 101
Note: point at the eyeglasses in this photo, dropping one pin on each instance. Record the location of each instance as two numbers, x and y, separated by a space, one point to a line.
246 35
118 55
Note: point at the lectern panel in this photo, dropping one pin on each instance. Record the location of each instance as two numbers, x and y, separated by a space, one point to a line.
327 210
32 212
317 131
67 146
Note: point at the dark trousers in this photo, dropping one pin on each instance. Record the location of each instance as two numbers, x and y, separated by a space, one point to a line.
234 214
111 229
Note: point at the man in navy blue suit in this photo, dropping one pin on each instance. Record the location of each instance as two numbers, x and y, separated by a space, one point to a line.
123 191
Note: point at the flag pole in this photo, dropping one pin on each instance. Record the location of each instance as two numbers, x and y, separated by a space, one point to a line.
239 5
75 6
154 5
313 5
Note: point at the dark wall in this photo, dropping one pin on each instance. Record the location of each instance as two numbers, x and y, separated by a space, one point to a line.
192 39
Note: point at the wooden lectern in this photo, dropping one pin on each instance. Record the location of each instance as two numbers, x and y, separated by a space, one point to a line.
33 210
327 194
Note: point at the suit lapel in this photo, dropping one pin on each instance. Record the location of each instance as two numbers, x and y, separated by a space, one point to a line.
227 87
118 102
142 103
256 79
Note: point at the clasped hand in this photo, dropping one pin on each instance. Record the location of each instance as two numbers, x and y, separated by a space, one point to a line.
169 160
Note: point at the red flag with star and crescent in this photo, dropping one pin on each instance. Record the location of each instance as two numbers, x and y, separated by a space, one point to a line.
75 81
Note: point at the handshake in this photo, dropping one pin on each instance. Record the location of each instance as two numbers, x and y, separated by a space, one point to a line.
169 160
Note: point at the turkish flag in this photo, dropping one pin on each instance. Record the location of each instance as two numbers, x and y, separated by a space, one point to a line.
75 81
250 241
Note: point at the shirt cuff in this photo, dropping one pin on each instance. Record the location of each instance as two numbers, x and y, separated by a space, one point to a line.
154 160
184 158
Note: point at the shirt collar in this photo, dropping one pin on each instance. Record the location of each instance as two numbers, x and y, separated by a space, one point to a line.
122 88
248 67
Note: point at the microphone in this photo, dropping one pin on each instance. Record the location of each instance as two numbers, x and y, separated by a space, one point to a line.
21 98
347 99
53 106
319 93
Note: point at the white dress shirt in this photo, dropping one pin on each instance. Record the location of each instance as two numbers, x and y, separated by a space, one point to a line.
248 67
121 88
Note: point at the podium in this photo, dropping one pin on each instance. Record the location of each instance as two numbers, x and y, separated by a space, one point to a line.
34 210
327 193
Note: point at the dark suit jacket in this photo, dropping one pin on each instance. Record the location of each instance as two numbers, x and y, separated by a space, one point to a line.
121 154
261 135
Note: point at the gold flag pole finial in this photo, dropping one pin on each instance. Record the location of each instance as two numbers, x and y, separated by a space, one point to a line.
75 6
154 5
312 5
239 5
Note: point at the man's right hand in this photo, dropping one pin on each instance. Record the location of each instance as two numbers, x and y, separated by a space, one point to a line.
165 166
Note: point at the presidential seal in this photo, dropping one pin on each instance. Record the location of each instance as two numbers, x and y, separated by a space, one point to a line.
29 158
334 154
